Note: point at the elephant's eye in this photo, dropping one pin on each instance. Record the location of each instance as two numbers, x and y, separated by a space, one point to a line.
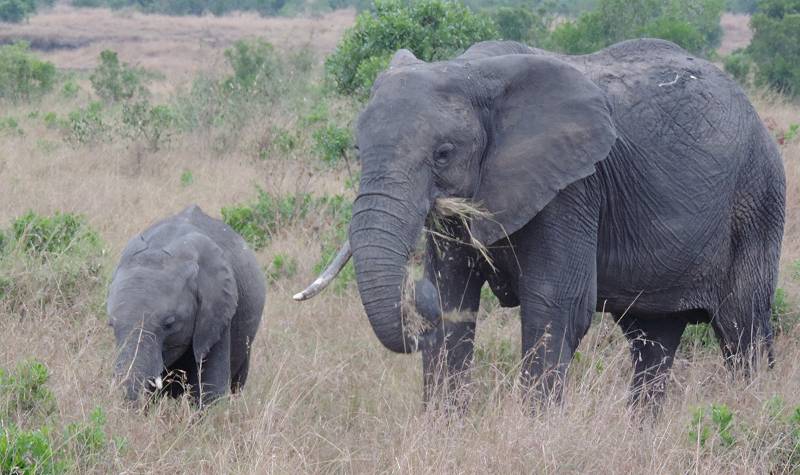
169 322
443 153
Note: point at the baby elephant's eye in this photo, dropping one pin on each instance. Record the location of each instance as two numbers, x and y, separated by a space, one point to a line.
443 153
169 322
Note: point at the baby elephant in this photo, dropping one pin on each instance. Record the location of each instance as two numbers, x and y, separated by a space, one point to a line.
185 302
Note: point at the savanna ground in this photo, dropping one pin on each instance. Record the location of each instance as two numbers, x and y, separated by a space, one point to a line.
323 395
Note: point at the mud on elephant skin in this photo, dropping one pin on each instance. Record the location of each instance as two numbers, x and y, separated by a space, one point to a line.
185 303
638 180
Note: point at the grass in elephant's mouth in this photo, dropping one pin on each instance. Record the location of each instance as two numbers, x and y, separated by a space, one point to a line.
463 211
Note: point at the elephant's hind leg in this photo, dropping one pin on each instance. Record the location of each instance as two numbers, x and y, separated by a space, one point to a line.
653 342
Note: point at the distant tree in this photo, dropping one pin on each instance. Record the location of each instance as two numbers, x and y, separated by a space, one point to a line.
431 29
775 47
692 24
15 11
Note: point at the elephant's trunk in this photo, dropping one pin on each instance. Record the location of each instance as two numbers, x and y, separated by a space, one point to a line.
139 365
383 232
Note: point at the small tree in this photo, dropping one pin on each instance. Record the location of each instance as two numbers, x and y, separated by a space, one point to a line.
114 81
775 47
694 25
431 29
22 75
15 11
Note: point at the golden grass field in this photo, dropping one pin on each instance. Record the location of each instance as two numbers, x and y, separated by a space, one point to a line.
323 395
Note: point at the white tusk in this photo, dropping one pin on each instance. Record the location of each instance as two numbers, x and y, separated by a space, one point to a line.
327 275
159 383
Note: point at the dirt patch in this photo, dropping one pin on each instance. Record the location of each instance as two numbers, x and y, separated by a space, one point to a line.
736 32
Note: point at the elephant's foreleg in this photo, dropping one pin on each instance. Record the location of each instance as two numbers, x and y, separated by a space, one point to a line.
557 252
215 371
446 365
653 344
453 270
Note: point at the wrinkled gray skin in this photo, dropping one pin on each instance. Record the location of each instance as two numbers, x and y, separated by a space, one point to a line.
185 303
637 180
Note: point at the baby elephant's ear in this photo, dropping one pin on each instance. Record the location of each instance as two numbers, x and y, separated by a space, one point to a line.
217 294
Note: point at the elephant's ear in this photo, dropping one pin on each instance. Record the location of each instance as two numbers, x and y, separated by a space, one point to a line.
549 126
217 293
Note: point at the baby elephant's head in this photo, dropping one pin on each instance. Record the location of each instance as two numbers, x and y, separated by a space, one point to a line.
166 298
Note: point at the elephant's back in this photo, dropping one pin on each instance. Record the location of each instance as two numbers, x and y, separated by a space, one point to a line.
249 278
689 143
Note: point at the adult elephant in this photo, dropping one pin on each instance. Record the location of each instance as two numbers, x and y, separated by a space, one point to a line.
638 180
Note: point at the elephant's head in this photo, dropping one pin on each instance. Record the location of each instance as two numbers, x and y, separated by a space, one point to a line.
168 295
506 132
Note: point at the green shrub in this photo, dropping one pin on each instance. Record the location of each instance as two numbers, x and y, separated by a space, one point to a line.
775 47
332 143
28 452
431 29
152 124
37 234
114 81
522 23
49 261
698 336
51 120
694 25
24 390
737 64
22 76
187 178
257 222
42 451
712 424
16 11
10 126
255 67
742 6
282 267
70 90
87 125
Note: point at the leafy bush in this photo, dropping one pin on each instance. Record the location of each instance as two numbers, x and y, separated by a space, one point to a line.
737 64
37 234
28 452
255 66
15 11
431 29
257 222
22 75
282 267
152 124
70 90
775 47
694 25
742 6
87 125
712 424
523 24
24 390
225 105
114 81
332 143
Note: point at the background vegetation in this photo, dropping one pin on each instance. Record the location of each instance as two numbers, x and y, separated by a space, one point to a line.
100 139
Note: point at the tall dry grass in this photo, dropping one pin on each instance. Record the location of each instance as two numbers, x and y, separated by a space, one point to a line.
323 395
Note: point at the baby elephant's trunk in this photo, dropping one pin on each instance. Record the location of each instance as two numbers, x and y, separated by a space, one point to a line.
138 369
